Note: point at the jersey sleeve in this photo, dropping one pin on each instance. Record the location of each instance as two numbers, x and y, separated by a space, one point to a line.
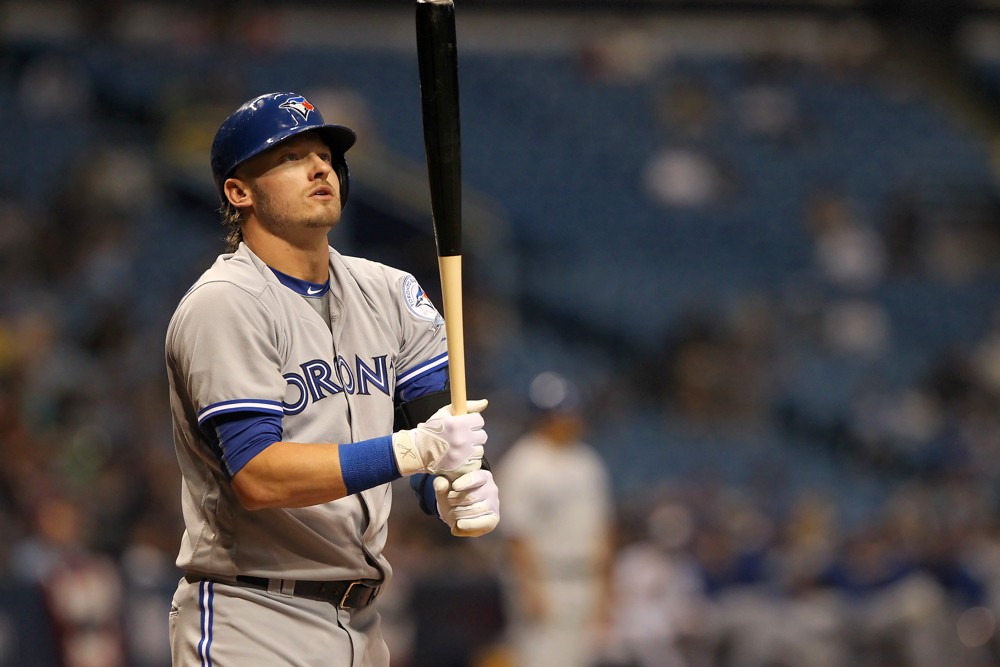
422 363
225 349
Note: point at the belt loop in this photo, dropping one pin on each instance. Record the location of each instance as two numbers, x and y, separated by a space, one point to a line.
283 587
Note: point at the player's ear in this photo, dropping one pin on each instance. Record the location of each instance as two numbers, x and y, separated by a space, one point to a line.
237 192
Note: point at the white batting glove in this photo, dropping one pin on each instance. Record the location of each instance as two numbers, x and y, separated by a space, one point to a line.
470 505
445 444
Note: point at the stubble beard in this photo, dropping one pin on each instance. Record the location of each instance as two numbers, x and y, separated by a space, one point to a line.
277 219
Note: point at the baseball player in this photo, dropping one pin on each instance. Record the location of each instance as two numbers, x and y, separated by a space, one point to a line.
558 532
302 382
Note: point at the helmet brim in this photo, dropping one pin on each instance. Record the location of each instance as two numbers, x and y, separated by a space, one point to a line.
337 137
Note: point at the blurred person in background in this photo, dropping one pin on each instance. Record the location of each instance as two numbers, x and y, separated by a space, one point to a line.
895 612
559 533
660 611
82 589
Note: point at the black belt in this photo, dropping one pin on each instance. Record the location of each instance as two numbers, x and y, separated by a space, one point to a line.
341 594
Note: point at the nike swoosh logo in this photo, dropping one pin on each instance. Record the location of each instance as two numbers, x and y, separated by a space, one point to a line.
312 290
437 429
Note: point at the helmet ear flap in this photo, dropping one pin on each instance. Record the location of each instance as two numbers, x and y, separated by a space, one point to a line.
344 176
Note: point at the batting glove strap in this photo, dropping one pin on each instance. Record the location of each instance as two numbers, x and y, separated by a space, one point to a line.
470 505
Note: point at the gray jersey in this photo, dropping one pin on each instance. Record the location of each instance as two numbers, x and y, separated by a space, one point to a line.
242 341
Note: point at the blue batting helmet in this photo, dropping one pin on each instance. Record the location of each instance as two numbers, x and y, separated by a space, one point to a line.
266 121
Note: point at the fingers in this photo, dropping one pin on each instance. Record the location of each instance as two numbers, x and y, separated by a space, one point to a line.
470 505
475 527
471 407
471 422
442 491
441 488
457 430
460 461
476 406
465 440
471 480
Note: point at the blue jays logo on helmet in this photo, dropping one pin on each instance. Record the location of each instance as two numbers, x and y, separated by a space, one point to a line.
299 105
266 121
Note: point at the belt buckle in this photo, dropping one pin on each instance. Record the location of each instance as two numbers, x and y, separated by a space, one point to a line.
350 587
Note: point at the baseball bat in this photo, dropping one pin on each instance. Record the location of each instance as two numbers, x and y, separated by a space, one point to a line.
437 58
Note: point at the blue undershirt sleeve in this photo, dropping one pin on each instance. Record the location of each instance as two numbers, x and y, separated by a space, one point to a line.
430 382
422 484
237 437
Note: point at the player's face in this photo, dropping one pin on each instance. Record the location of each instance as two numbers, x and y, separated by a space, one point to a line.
294 186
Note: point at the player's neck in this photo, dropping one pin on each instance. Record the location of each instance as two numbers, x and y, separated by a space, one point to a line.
306 261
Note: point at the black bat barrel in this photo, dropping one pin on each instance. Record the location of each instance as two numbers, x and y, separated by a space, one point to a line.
437 57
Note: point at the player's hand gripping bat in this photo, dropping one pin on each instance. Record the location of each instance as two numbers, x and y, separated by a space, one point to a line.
437 58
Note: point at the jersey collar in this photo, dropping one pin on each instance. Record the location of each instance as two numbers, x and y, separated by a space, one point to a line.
303 287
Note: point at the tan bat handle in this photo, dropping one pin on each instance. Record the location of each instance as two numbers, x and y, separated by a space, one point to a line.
451 289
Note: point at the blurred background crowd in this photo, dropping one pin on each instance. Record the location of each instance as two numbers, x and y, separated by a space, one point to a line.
762 239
